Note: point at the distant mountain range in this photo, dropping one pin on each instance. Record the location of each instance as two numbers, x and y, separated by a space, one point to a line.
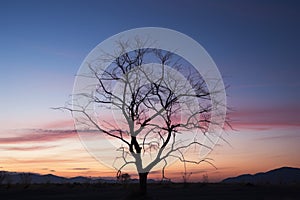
30 178
15 177
284 175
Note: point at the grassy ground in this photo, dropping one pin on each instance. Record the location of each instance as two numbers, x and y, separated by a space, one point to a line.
155 191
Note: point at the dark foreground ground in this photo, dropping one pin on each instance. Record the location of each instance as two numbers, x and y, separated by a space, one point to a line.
155 191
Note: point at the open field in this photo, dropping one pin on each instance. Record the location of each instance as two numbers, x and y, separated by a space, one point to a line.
155 191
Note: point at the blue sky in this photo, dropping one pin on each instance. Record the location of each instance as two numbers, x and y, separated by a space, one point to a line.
255 44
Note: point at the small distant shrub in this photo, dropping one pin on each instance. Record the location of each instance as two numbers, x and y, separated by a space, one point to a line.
123 178
8 181
3 176
249 184
25 179
186 176
205 178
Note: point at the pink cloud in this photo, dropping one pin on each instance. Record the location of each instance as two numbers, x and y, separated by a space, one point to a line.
280 137
46 135
265 118
39 135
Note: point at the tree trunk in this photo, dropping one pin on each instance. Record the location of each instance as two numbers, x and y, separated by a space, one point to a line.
143 183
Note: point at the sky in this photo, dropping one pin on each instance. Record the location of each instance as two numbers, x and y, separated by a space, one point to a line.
255 45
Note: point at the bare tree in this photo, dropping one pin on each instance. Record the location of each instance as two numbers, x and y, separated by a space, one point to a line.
161 111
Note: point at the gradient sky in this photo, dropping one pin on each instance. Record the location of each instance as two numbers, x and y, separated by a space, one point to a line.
255 44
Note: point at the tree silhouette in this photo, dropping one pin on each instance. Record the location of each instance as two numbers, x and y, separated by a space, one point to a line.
123 178
161 107
3 175
25 179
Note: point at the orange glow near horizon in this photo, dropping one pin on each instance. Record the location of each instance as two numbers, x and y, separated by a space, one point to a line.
64 155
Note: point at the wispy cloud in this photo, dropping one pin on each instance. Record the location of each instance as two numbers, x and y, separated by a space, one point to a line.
33 148
261 126
266 118
280 137
46 160
266 85
79 169
39 135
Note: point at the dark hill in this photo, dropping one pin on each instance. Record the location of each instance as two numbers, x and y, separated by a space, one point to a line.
284 175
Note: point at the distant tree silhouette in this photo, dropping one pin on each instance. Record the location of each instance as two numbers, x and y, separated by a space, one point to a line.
205 178
155 107
25 179
3 175
123 177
